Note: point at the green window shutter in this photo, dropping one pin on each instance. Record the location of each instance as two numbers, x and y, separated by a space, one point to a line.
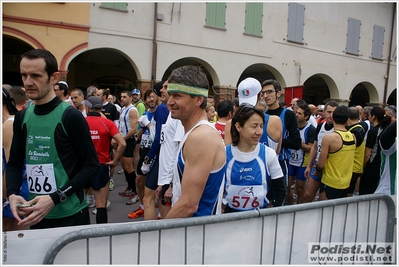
115 5
216 15
253 18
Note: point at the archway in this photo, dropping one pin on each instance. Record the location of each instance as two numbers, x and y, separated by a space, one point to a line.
13 48
104 68
392 98
318 89
363 94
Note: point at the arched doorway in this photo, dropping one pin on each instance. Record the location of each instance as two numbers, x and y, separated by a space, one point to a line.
13 48
316 90
104 68
392 98
359 96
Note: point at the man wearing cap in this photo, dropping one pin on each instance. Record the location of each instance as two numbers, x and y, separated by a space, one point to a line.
101 131
201 162
60 148
61 90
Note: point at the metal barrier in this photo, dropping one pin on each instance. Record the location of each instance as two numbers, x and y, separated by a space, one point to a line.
269 236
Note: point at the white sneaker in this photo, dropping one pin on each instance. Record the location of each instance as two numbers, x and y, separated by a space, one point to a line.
95 210
91 201
120 171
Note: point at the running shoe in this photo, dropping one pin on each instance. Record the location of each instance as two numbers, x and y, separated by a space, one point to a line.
120 171
111 185
91 202
136 214
95 210
132 199
126 193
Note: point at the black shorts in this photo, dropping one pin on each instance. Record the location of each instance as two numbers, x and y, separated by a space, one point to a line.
163 191
352 185
151 180
129 150
333 193
143 153
101 179
80 218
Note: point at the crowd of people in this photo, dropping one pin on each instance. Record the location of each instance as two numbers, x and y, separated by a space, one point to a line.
180 149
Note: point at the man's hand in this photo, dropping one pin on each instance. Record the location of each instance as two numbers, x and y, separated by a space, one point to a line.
43 205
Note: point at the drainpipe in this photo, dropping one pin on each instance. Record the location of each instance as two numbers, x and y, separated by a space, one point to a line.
389 56
154 48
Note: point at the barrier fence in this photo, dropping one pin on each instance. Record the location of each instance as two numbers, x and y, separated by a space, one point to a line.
278 235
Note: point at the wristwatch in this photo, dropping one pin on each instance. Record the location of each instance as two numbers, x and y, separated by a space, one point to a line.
61 195
147 160
171 184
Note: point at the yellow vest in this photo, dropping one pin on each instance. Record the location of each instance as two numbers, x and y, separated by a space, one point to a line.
337 172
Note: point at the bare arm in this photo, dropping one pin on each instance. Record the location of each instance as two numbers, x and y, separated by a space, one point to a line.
197 169
312 157
227 134
119 150
133 116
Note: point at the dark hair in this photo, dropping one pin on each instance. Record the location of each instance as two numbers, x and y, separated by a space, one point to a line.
128 92
241 115
236 102
341 115
192 76
331 103
354 113
305 107
50 60
274 82
224 108
383 119
105 92
147 93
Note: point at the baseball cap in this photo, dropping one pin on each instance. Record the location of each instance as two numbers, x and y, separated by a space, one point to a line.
136 91
248 91
93 102
158 87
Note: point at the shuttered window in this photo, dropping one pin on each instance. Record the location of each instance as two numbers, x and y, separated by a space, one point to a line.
120 6
353 36
216 15
253 18
296 20
378 42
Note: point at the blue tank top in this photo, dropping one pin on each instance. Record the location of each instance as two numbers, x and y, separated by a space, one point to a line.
247 178
265 138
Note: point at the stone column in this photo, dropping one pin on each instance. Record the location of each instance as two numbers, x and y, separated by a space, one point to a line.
223 92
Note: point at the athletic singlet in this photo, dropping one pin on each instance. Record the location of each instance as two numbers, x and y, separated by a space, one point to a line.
211 198
359 152
247 178
172 133
265 138
44 168
124 120
336 172
387 183
319 139
147 137
299 158
220 126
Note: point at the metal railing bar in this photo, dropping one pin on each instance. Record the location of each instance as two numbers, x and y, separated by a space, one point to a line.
134 227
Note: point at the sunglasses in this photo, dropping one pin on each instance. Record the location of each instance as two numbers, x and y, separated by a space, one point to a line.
242 107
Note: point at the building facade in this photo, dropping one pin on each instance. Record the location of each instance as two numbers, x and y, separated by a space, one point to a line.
342 51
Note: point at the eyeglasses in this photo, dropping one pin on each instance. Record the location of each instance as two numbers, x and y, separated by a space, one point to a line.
268 92
242 107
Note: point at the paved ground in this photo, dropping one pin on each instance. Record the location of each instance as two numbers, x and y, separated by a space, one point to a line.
118 210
